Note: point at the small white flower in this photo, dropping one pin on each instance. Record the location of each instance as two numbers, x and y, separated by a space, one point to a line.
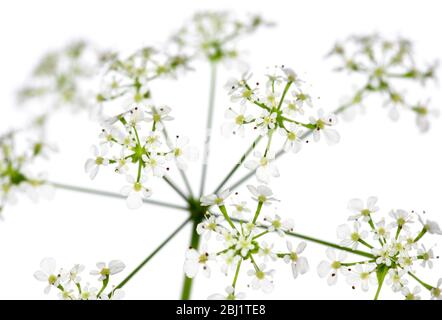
231 260
278 225
396 279
182 152
135 192
302 98
384 254
349 237
92 165
332 267
237 122
401 219
215 199
362 275
239 208
243 94
48 274
423 114
405 261
155 163
426 256
293 138
291 76
88 293
436 292
104 271
266 121
262 194
381 230
323 124
411 295
299 264
195 260
209 226
159 115
117 294
266 251
356 206
264 166
74 273
262 279
231 295
244 244
432 227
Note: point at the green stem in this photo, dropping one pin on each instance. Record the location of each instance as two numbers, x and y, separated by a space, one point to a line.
236 274
112 195
238 164
194 243
286 88
425 285
365 244
420 235
258 211
223 210
151 255
212 90
175 187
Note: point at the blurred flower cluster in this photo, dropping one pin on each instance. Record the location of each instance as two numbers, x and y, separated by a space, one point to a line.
396 252
385 65
71 285
19 151
215 35
248 244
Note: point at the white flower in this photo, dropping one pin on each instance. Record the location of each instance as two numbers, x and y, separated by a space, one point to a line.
262 194
332 266
411 295
244 244
237 121
293 138
67 294
88 293
135 192
401 218
135 117
292 107
209 225
239 208
356 206
384 254
195 260
262 279
426 256
436 292
266 121
48 274
362 275
233 84
264 166
299 264
155 163
117 294
74 273
396 279
381 231
405 261
110 136
215 199
182 152
291 76
92 165
351 238
231 260
302 98
431 226
159 115
243 94
231 295
423 114
278 225
323 124
266 251
153 140
104 271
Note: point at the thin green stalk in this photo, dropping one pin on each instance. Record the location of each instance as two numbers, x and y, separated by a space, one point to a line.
194 243
175 187
212 91
113 195
420 235
223 210
258 211
151 255
238 163
238 267
425 285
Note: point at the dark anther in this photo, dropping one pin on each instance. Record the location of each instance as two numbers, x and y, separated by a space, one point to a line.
333 274
353 287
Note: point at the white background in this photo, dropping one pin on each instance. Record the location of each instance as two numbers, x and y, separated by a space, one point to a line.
375 156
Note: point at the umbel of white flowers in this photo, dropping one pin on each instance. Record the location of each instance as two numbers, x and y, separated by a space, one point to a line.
71 285
396 251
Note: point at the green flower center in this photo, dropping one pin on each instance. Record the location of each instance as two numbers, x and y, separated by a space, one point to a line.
355 236
365 212
239 119
291 136
364 275
178 152
138 186
52 279
276 224
260 275
105 272
203 259
219 201
99 161
156 117
336 265
320 124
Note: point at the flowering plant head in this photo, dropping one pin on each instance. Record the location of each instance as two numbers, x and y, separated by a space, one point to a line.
19 152
385 64
71 285
214 34
242 243
63 77
396 250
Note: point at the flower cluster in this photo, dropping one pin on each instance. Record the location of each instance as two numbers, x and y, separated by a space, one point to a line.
278 108
70 284
128 78
383 62
19 150
62 78
395 250
215 34
141 149
240 242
